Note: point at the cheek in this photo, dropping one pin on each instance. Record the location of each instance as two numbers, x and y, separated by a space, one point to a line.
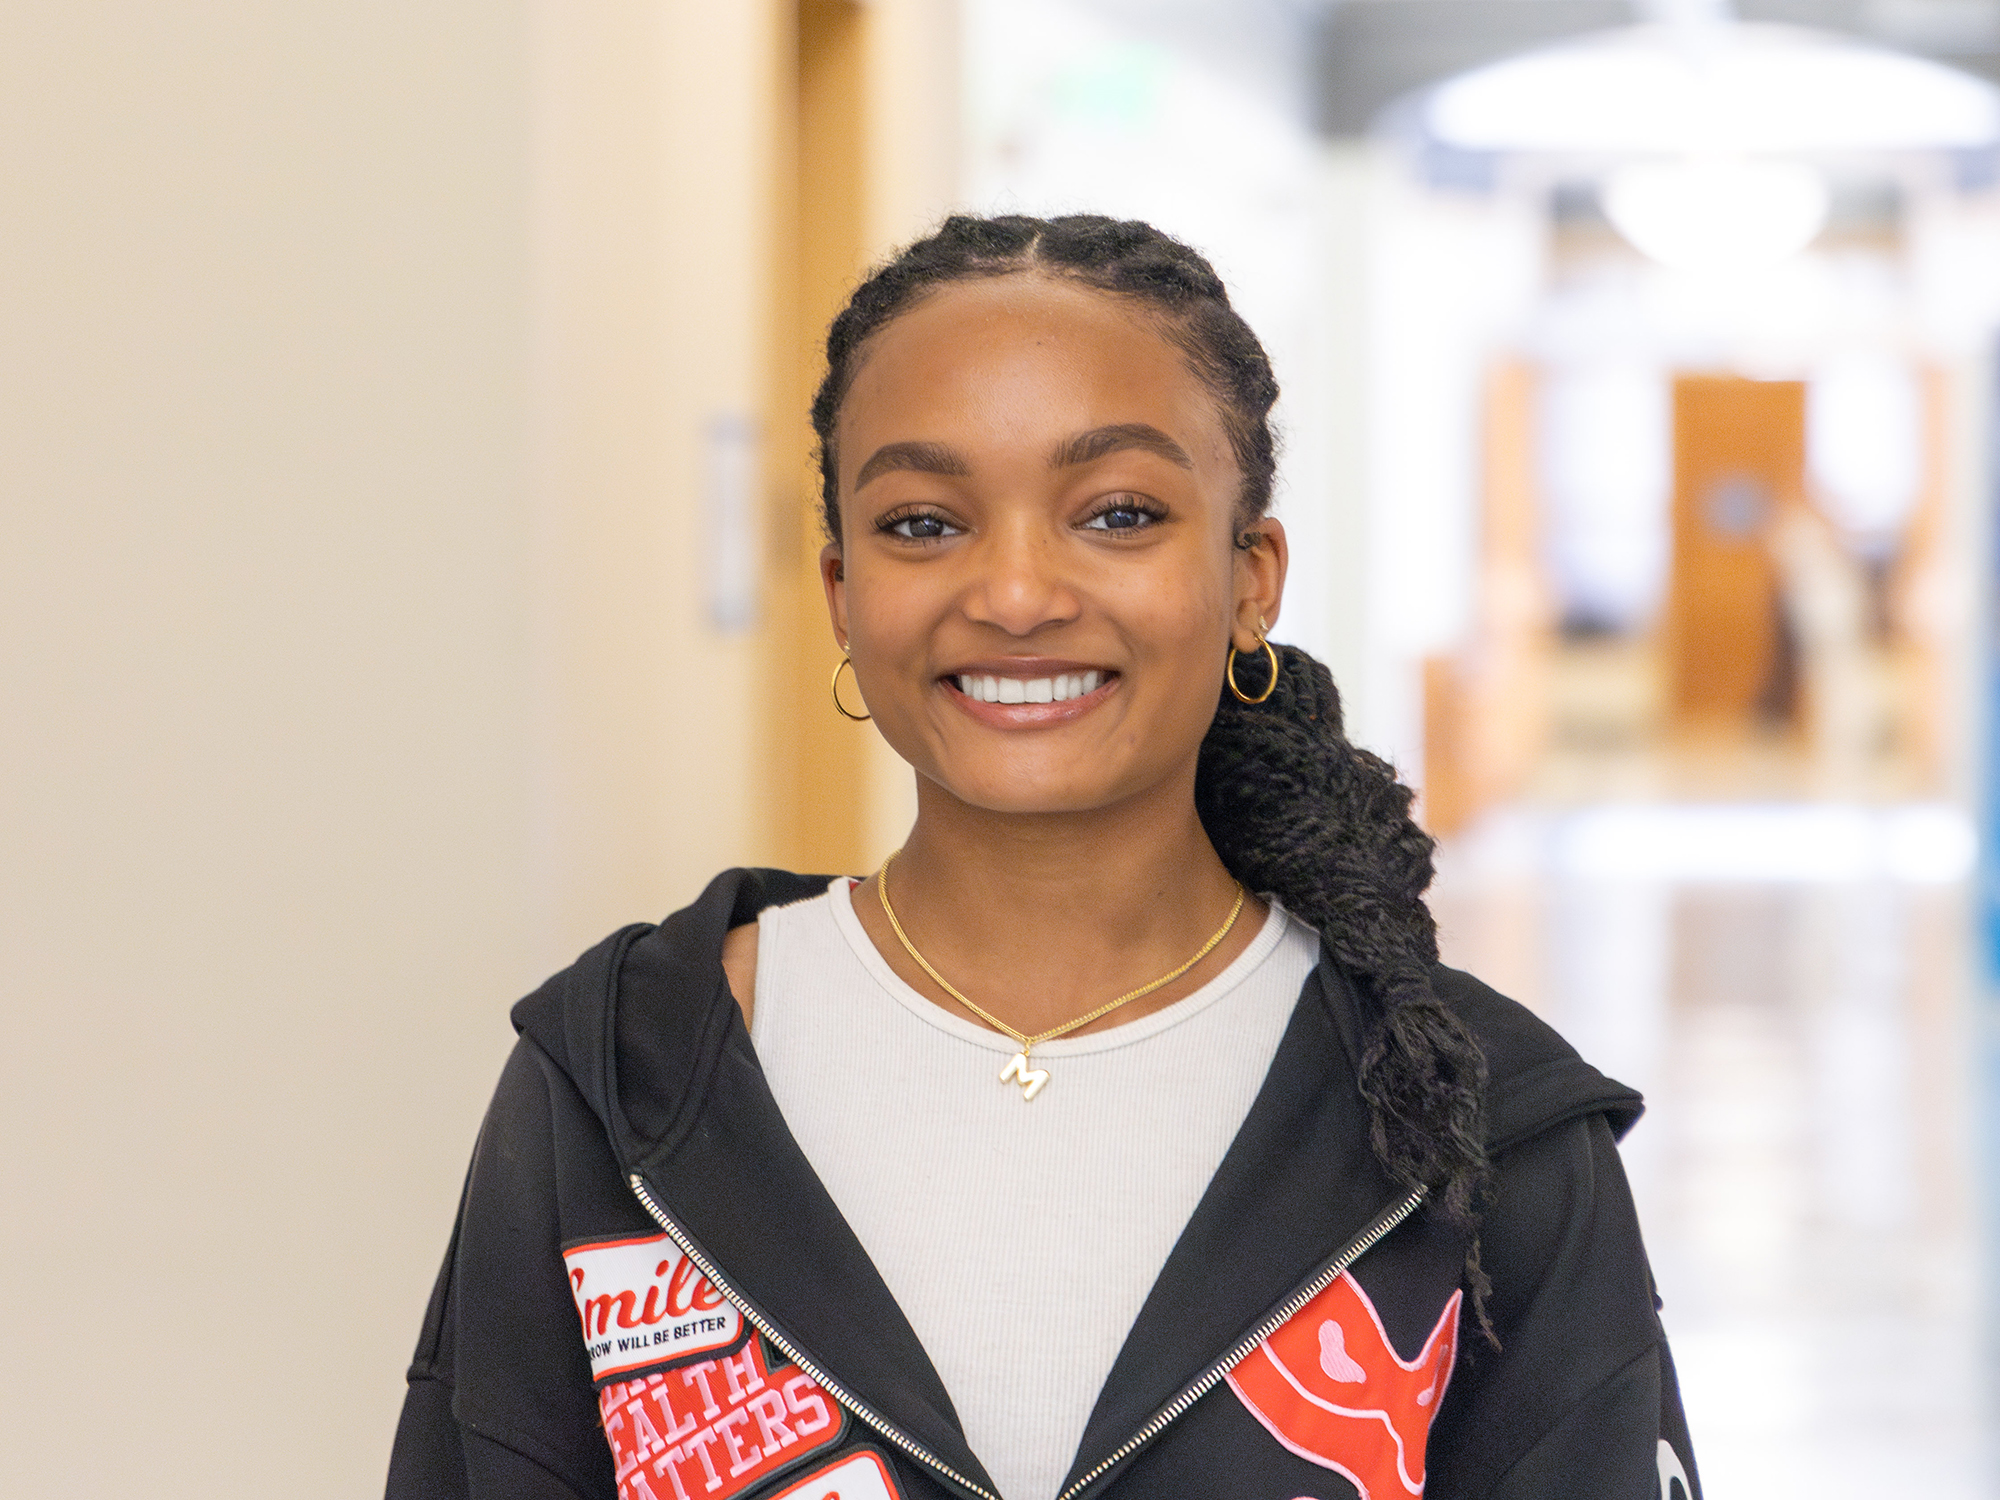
890 610
1184 613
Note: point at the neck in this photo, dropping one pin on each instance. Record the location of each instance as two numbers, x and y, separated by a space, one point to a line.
1042 917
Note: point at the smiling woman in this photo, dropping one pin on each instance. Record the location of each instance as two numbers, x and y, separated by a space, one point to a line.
1135 1144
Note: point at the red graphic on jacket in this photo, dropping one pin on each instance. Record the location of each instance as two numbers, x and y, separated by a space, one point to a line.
714 1429
1330 1387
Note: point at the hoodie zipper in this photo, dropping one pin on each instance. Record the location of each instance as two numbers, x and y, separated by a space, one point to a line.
1192 1392
1205 1382
792 1352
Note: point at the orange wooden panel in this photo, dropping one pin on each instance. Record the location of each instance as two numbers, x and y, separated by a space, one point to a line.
1739 462
815 761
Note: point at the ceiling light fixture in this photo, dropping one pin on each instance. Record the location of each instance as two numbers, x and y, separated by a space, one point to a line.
1752 89
1716 213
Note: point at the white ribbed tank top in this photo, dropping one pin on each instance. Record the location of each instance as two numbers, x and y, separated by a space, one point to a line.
1019 1237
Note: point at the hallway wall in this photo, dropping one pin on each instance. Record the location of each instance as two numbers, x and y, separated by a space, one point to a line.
355 663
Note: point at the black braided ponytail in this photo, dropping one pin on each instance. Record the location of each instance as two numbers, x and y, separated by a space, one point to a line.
1291 805
1296 808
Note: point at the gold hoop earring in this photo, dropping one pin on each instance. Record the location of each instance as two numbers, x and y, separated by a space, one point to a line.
1270 687
839 707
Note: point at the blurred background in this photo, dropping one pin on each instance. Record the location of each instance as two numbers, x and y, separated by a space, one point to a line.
407 577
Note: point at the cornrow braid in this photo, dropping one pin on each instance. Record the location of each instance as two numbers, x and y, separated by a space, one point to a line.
1291 805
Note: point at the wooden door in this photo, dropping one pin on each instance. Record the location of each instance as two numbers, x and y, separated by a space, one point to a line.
1739 464
818 803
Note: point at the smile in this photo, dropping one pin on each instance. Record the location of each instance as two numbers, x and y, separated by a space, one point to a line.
1058 689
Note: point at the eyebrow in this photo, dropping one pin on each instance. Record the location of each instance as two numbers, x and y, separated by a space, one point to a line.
919 458
1088 447
1078 448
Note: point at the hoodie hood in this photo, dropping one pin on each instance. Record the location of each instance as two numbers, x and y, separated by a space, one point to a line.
1535 1081
639 1021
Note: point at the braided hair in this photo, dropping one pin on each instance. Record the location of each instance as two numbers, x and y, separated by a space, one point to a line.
1292 806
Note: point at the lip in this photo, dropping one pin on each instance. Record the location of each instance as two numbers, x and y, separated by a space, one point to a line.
1028 715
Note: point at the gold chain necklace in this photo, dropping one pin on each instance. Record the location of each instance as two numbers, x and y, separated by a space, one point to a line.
1019 1068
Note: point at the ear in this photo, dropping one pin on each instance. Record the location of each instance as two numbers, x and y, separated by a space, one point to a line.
833 577
1260 581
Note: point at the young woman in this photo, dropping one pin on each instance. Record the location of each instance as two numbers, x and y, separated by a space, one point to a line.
1121 1136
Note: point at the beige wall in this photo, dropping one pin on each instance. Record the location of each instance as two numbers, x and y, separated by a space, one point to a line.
652 228
353 662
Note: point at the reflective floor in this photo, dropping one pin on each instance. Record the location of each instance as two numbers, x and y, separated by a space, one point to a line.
1788 986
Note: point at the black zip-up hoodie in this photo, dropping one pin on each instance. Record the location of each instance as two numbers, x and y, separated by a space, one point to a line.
649 1294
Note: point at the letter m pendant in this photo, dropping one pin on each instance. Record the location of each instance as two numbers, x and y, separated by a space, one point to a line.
1030 1079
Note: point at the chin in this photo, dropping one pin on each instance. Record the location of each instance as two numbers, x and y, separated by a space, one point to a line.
1036 796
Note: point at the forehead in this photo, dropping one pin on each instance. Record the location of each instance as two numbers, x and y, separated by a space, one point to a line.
1026 351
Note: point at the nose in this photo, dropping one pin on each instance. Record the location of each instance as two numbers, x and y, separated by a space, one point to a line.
1020 583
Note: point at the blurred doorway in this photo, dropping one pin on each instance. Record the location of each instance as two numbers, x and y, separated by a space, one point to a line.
1739 467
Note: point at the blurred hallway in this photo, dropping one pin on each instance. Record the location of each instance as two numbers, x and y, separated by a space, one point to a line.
1786 983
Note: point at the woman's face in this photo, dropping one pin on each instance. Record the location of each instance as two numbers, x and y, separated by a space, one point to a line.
1038 506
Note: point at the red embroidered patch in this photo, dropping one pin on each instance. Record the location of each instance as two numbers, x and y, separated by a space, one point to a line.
860 1476
1330 1387
715 1428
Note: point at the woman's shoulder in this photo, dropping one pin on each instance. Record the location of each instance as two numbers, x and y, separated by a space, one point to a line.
1535 1079
635 1013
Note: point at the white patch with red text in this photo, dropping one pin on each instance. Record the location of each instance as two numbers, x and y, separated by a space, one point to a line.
643 1303
716 1428
862 1477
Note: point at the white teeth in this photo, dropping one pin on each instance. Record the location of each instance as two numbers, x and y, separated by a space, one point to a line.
1058 689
